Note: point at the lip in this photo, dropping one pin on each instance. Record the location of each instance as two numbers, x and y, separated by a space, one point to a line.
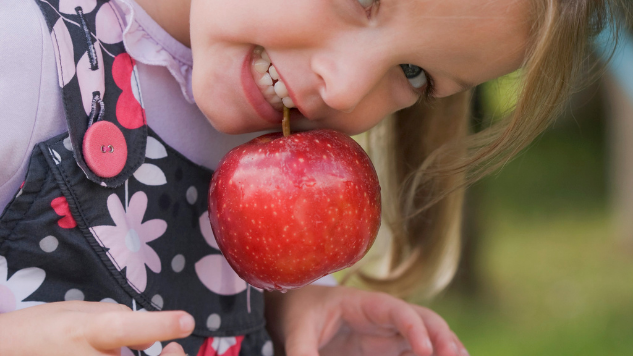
256 98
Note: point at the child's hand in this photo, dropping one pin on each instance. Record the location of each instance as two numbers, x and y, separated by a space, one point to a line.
87 328
317 320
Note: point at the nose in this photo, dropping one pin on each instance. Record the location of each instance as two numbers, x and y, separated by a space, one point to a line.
348 75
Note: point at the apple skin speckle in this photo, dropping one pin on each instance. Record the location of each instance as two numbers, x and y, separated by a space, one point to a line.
326 216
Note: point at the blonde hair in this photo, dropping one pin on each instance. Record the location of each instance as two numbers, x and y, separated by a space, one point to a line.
427 157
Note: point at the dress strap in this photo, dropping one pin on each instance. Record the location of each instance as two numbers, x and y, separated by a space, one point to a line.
100 88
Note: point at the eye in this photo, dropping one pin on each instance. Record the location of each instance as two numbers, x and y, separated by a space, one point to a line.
366 3
415 75
370 7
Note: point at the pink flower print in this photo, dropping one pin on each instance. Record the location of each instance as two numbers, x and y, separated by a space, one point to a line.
129 110
221 346
108 25
68 6
60 205
127 240
213 270
126 352
22 283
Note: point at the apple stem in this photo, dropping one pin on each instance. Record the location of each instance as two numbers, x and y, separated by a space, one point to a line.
285 123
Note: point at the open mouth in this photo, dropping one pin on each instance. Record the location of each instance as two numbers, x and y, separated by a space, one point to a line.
267 79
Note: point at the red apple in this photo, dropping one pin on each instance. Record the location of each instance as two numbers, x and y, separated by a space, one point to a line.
286 211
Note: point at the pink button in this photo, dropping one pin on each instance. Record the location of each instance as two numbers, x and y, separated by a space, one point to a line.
105 150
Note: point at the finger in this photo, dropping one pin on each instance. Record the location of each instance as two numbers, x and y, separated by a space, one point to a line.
112 330
141 347
391 311
90 307
408 353
444 340
173 349
460 346
303 340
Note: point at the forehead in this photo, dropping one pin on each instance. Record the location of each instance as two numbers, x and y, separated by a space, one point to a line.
475 40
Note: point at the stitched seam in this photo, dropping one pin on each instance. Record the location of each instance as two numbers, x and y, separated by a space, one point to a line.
92 53
85 222
114 261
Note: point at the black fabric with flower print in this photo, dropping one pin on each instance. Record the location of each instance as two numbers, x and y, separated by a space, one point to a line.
146 244
141 238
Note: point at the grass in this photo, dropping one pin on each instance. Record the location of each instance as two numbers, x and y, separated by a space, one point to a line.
557 288
554 279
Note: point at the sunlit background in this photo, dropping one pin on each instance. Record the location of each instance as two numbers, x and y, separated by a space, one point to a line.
547 261
548 255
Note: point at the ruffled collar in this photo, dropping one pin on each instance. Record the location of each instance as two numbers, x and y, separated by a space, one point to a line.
148 43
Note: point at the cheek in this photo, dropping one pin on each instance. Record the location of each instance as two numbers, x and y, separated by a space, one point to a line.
272 23
398 90
391 95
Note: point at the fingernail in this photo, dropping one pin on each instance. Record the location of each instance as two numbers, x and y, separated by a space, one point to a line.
428 345
187 323
464 353
455 348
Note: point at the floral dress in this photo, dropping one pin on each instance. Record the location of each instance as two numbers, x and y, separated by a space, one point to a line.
109 212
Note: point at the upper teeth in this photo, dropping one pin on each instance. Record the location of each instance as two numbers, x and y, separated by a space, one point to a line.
266 80
261 65
273 88
280 89
273 73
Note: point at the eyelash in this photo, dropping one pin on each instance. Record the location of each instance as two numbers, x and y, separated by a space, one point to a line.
429 89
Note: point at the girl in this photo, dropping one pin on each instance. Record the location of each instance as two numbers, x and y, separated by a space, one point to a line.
104 180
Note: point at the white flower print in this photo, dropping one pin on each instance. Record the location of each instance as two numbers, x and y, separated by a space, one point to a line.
22 283
127 240
222 344
213 270
147 173
68 6
108 25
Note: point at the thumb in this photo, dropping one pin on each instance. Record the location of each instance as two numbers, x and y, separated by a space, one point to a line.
173 349
302 341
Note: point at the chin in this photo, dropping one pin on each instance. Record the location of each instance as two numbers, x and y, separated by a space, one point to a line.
232 124
228 127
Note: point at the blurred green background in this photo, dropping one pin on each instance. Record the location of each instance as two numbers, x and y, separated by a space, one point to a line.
545 270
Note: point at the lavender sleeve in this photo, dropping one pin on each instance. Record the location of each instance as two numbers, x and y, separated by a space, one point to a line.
31 108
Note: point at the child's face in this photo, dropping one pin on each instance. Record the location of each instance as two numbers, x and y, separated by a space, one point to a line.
340 59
